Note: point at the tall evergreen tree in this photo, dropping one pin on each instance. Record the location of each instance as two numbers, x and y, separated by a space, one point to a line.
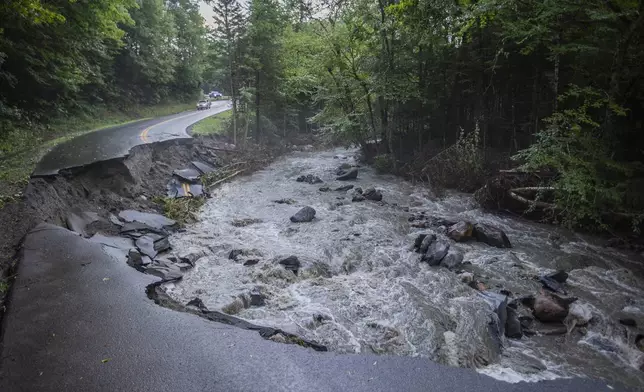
229 28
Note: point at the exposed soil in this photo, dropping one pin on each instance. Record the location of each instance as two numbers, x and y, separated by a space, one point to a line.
106 187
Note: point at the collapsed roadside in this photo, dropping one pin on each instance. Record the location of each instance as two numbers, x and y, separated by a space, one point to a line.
88 199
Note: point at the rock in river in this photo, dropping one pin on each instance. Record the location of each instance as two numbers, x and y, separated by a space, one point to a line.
291 263
550 307
513 328
460 232
453 259
499 305
435 253
372 194
350 175
491 236
310 179
344 188
427 240
306 214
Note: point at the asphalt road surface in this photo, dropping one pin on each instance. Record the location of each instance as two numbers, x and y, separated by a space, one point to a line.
79 321
117 142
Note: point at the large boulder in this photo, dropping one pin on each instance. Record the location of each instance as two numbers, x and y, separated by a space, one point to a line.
426 242
372 194
513 328
435 253
453 259
491 236
349 175
499 305
306 214
550 307
460 232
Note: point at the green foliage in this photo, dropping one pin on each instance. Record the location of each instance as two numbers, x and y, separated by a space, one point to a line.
591 185
213 125
183 210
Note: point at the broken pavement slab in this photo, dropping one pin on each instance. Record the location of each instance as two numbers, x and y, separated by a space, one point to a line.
156 221
204 168
78 221
178 189
187 175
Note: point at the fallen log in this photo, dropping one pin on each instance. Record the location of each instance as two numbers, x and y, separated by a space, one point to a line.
533 203
214 184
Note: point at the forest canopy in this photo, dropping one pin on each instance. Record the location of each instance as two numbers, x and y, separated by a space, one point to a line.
449 91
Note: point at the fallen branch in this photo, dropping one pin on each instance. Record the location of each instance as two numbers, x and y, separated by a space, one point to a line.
225 179
539 204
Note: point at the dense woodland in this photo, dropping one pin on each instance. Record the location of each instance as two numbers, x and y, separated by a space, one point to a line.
445 91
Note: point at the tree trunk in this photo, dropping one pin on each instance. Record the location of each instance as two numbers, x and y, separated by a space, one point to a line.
257 102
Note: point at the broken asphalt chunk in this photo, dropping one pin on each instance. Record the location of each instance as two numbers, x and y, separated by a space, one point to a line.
189 175
204 168
156 221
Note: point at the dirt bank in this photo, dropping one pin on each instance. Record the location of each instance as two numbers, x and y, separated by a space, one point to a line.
106 187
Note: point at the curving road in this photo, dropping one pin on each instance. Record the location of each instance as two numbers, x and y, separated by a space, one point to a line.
117 142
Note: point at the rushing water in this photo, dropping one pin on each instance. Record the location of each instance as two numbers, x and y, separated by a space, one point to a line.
361 287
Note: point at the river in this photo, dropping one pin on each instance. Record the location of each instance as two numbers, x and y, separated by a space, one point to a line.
361 287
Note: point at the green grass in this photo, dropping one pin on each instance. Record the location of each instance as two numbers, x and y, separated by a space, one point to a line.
22 148
183 210
212 125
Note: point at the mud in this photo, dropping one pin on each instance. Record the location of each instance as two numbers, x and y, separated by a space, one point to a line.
104 188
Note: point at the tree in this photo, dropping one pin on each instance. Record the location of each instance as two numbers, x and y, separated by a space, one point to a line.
230 27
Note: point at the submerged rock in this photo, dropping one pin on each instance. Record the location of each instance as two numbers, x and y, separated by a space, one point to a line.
284 201
491 236
419 240
344 188
306 214
460 232
235 253
435 253
310 179
350 175
325 189
291 263
257 298
372 194
560 276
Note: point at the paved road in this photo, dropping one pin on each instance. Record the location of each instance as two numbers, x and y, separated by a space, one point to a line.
79 321
116 142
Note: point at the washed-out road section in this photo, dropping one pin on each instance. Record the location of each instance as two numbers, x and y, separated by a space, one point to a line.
116 142
80 321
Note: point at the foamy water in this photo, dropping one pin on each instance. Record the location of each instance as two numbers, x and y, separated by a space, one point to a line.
361 288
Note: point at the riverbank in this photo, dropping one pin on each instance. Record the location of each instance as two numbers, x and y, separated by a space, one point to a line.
350 279
22 146
137 182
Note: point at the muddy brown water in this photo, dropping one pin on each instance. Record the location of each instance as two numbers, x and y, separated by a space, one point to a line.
361 287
